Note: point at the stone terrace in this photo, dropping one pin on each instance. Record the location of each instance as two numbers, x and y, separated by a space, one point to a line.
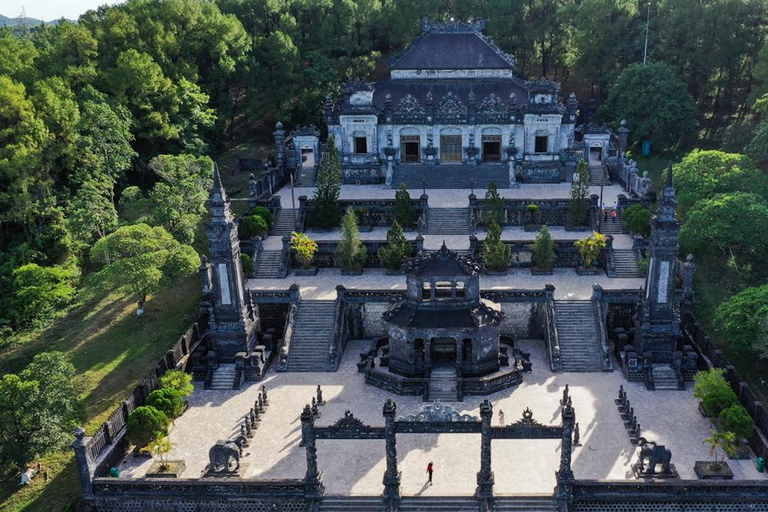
521 467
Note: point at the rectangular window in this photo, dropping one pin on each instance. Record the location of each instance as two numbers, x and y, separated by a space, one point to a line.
426 291
361 145
542 144
461 291
410 146
443 290
491 148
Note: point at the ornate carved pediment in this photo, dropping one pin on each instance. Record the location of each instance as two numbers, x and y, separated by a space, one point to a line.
451 104
491 103
438 412
348 423
409 105
527 420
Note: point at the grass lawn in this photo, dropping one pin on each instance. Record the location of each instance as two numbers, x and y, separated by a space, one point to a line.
112 350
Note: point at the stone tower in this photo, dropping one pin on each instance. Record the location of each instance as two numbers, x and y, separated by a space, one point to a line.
658 330
233 324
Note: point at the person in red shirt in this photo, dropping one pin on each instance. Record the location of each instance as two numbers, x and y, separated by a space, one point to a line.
430 468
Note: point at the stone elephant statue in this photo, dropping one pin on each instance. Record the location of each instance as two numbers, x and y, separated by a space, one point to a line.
222 452
654 454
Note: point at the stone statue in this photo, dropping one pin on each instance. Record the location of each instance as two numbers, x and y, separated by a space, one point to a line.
471 139
319 394
564 400
222 452
264 395
576 435
654 454
389 138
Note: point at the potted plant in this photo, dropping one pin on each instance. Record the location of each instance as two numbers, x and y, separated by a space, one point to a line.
717 469
304 249
578 210
496 253
350 253
363 219
532 225
589 251
543 257
396 249
162 467
145 424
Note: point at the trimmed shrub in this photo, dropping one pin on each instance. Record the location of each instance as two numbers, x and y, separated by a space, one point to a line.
168 401
713 390
543 249
247 264
264 213
637 220
350 252
179 380
495 204
145 424
736 419
251 226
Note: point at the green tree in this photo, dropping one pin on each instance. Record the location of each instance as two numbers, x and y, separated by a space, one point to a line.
496 253
702 174
168 401
91 214
179 380
138 259
396 249
251 226
578 209
403 211
180 198
736 419
17 55
38 292
654 102
49 412
637 220
494 204
326 212
145 424
350 253
720 440
543 249
740 317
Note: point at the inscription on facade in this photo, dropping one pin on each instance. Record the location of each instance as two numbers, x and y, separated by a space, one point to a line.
226 298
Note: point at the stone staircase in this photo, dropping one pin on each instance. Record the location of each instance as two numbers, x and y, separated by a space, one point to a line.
223 377
626 263
612 227
268 265
577 333
525 504
352 504
439 504
448 221
443 384
596 175
312 336
451 176
283 225
306 177
664 377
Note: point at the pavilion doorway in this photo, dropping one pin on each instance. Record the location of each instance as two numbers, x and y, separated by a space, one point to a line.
450 149
443 350
411 149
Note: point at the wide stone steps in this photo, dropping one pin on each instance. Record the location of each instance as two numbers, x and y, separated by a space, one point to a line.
223 377
664 377
525 504
626 263
596 175
352 504
439 504
448 221
268 265
448 176
612 227
306 177
577 334
312 336
283 225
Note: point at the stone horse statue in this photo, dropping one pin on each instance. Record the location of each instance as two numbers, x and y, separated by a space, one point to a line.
655 454
222 452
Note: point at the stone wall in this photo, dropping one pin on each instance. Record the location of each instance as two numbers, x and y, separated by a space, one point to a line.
522 320
374 325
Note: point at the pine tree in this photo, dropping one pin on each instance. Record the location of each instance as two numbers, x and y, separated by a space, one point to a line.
494 204
543 249
396 249
403 211
578 212
350 253
496 254
326 212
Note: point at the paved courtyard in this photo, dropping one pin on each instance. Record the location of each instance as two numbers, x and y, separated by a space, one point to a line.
521 467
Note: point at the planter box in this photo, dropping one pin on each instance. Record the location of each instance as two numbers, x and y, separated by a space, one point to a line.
591 271
353 272
742 452
174 469
707 470
578 228
532 227
541 271
305 272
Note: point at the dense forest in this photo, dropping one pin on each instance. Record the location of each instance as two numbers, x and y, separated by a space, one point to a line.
130 103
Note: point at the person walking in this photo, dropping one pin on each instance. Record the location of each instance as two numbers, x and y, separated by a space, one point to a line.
501 418
430 469
613 215
605 213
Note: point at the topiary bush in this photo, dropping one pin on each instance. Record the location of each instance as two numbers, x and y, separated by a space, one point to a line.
403 210
637 220
247 264
264 213
145 424
736 419
179 380
251 226
168 401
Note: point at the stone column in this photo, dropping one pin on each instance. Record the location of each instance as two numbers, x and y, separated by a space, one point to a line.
84 463
484 493
391 475
313 486
279 134
564 475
